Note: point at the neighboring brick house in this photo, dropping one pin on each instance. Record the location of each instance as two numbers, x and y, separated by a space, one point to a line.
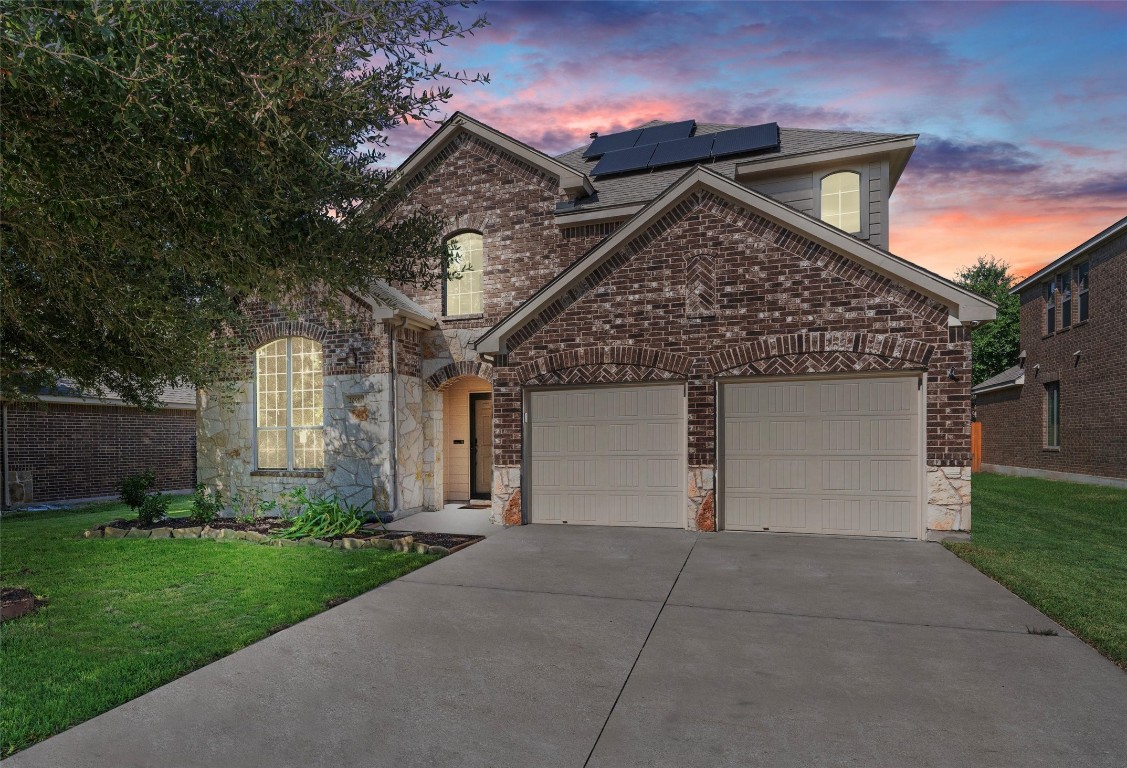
1062 411
70 446
717 338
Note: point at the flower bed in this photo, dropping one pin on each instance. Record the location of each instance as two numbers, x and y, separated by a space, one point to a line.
264 531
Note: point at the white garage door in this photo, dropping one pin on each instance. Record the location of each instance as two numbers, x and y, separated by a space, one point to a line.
608 456
823 456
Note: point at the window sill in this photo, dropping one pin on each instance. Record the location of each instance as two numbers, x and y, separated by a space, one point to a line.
287 473
478 316
1049 449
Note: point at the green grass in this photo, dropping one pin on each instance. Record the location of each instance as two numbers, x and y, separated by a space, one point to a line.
1060 546
127 615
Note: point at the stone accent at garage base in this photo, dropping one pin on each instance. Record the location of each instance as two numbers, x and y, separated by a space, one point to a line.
506 496
948 498
701 500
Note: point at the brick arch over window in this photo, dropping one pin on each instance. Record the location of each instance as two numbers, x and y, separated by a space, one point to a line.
469 222
448 373
821 352
264 334
605 364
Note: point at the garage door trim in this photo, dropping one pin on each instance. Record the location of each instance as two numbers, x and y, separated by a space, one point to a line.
920 527
527 392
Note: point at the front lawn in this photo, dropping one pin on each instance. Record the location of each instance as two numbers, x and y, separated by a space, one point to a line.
1060 546
124 616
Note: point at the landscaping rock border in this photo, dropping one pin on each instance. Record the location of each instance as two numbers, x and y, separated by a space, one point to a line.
396 541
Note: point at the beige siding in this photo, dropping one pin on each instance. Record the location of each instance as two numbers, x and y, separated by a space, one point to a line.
800 190
456 426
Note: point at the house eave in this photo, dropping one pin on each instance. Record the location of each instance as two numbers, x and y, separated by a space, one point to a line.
572 182
1018 382
1078 252
899 148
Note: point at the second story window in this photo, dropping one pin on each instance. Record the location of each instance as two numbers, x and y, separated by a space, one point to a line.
1082 291
841 201
1064 288
1049 292
463 275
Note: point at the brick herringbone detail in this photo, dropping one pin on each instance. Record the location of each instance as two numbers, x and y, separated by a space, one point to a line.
700 284
619 358
448 373
896 351
607 373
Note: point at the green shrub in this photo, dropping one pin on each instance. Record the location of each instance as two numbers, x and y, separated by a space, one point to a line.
135 489
206 505
248 505
323 518
153 508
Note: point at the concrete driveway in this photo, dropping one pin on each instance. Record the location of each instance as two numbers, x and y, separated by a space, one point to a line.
557 646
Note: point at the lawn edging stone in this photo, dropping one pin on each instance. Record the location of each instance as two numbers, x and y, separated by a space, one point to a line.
396 541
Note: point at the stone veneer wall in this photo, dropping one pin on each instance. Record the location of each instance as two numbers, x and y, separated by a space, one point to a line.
357 421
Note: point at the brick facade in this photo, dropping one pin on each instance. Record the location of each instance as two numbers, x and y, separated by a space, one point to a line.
78 451
1093 384
789 304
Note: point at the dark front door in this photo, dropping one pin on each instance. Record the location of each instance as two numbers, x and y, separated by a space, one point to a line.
481 445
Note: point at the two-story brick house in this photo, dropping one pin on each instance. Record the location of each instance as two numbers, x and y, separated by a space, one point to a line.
1061 412
684 325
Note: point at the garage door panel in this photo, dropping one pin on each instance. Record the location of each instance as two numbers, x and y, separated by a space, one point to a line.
620 459
847 462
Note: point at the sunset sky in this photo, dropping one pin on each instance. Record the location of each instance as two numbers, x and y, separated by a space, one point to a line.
1021 108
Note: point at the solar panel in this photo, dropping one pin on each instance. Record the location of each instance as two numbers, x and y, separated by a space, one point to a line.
667 132
745 139
612 142
623 160
682 151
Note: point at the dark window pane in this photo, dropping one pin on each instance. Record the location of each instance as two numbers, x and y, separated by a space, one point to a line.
1052 415
1064 288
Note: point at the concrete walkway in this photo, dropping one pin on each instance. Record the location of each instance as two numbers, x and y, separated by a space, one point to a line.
557 646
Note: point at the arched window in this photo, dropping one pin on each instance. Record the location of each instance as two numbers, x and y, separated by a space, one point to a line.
289 405
841 200
463 275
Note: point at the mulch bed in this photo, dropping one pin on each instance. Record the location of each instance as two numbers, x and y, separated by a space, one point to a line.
270 526
16 602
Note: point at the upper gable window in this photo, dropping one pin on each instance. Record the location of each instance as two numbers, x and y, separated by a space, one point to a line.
841 201
289 405
463 275
1049 294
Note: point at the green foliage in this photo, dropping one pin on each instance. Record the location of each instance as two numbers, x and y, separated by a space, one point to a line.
206 505
321 518
142 616
167 162
1059 546
153 508
250 505
995 345
135 489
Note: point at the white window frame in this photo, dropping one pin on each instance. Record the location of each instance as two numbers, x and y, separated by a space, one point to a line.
447 280
862 173
289 428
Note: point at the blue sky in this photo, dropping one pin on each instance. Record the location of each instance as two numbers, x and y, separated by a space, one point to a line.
1021 107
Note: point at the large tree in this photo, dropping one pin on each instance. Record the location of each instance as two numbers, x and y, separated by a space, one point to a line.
165 161
995 345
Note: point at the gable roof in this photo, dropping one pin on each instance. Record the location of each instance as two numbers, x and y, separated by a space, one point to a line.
794 144
1116 229
572 181
1011 377
965 306
65 391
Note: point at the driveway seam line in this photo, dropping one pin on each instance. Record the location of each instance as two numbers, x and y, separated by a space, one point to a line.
640 650
1066 634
